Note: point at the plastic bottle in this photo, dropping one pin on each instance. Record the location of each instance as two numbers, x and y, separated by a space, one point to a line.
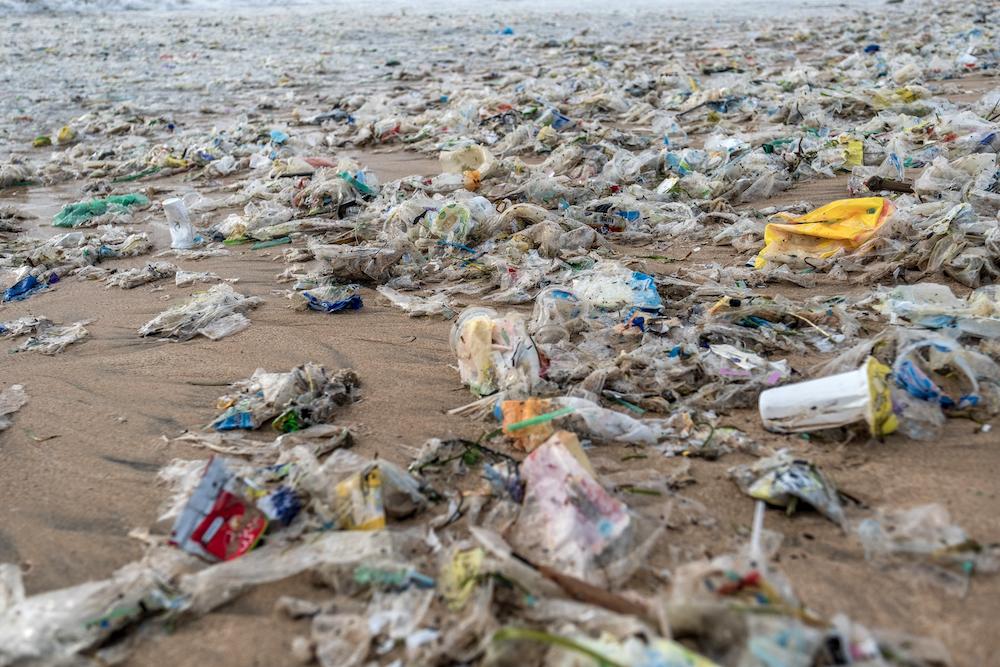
181 231
554 308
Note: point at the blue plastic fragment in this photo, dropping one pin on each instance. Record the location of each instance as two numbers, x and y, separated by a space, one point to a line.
635 318
559 121
460 246
24 288
353 302
644 294
238 420
911 377
282 504
675 162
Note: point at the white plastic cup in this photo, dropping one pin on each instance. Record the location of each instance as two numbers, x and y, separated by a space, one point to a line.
181 231
837 400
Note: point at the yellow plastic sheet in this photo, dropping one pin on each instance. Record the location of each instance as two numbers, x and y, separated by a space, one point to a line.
840 225
358 501
459 577
855 153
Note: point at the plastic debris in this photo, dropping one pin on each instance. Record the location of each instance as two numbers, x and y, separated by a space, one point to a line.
54 338
219 522
319 440
784 481
935 307
330 298
182 233
840 225
568 520
291 401
22 326
494 353
85 213
838 400
937 370
417 306
213 314
584 195
12 399
24 288
633 651
924 539
186 278
132 278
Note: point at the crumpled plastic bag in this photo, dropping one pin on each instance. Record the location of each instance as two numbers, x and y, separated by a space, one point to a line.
934 306
840 225
329 298
53 339
81 213
782 481
568 520
215 313
924 540
494 353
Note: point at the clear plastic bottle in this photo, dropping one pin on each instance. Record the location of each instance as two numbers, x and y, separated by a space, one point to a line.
181 231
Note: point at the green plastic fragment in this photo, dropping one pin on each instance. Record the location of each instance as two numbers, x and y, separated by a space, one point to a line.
540 419
74 215
270 244
136 176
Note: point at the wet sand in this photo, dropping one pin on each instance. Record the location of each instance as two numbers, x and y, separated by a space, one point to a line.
82 455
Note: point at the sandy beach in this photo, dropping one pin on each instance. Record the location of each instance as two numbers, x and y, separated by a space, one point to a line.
81 459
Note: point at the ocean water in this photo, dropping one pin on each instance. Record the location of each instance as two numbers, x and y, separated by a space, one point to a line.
728 8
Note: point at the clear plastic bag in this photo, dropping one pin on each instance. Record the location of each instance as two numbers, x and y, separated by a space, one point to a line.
54 338
12 399
494 353
132 278
210 313
924 540
570 523
417 306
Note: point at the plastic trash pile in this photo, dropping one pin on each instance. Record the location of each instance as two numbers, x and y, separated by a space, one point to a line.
289 401
622 236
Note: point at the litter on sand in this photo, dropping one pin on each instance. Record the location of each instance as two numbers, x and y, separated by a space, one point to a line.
653 334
